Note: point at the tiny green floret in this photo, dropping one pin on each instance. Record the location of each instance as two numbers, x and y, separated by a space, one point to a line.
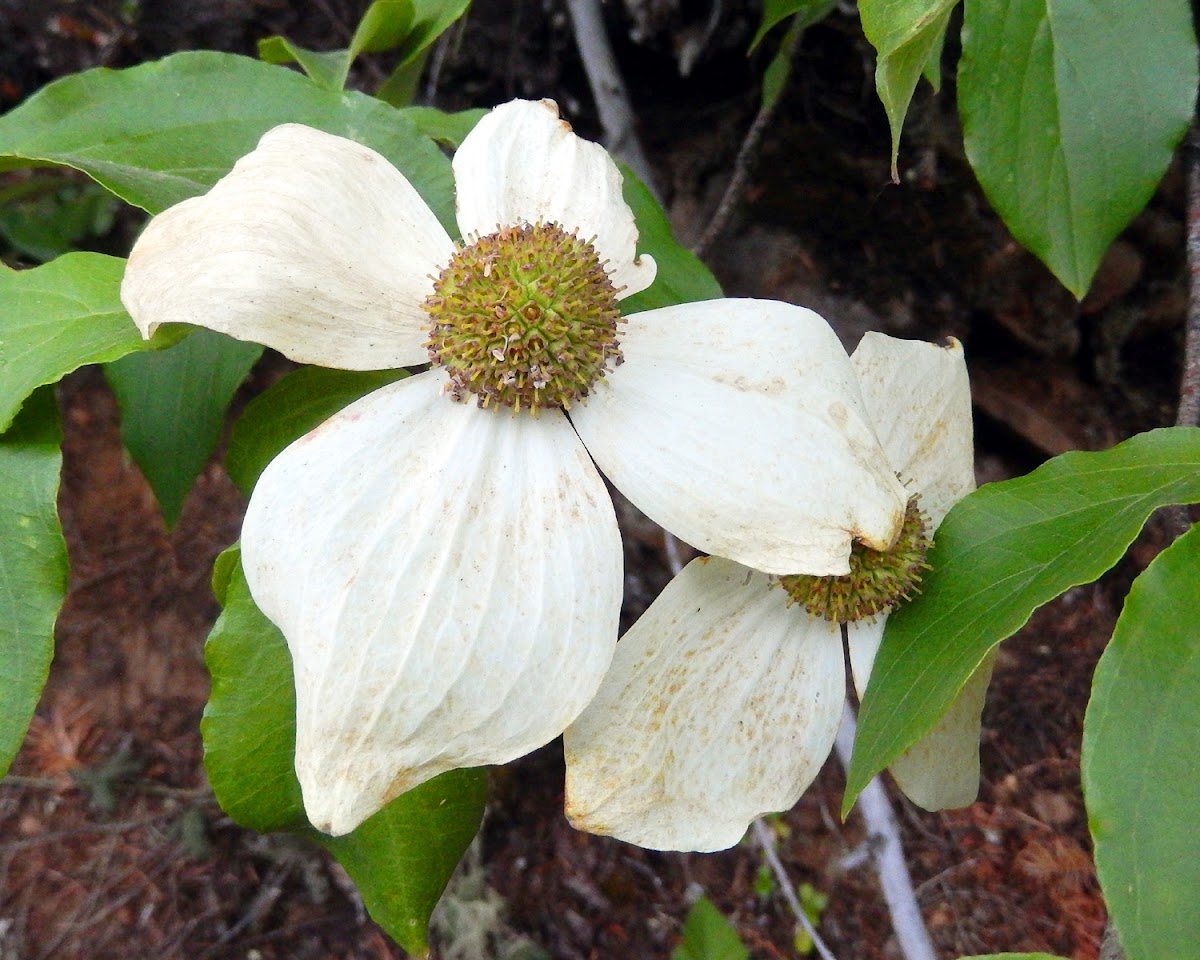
525 317
878 581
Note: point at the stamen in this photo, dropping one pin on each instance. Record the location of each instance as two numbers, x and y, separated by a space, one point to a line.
878 581
525 317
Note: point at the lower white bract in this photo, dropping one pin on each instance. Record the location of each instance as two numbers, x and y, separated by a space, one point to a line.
722 702
448 578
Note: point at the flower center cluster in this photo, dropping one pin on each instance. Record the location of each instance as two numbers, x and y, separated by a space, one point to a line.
525 317
878 581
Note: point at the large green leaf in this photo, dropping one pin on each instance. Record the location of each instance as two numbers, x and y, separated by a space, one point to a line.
293 406
681 277
1140 775
57 317
1071 110
33 564
160 132
173 406
401 858
1001 553
907 36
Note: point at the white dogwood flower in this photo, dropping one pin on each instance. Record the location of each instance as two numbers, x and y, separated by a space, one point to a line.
448 577
723 700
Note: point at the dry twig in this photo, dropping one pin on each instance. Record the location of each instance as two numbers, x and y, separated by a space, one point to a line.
1189 388
894 879
608 89
743 165
766 840
1177 519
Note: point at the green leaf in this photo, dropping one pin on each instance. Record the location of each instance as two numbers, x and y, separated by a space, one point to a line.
401 858
432 18
681 276
933 66
709 936
173 406
1071 111
326 68
33 564
383 26
775 77
223 570
1139 759
161 132
386 24
807 12
296 404
249 723
58 317
1001 553
400 88
50 224
1014 956
447 128
907 36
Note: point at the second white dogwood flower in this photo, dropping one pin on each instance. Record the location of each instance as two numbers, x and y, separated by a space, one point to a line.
442 556
724 698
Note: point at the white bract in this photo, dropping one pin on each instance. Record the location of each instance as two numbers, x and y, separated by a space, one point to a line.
723 701
448 577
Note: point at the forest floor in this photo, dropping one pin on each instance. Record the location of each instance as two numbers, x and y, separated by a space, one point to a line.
111 845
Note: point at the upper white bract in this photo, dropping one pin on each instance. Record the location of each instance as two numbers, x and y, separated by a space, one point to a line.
449 578
722 702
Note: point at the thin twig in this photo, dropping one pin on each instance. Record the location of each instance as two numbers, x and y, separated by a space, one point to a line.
1189 387
766 840
70 923
608 89
911 933
83 919
743 165
1177 519
437 61
121 826
200 793
269 892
